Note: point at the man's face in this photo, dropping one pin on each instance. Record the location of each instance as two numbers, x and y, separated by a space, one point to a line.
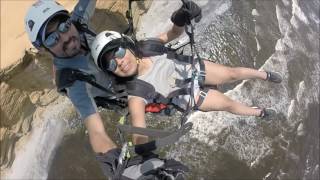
68 43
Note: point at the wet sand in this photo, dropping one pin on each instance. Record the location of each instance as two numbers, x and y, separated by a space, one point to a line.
14 40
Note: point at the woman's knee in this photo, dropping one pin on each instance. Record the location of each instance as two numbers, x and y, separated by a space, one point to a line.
233 73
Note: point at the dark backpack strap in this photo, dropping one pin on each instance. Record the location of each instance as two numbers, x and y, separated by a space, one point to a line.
66 77
151 47
114 104
141 88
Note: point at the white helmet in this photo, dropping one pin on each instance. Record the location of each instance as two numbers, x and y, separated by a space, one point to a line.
106 41
38 16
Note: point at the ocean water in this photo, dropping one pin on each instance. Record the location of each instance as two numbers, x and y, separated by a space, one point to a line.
276 35
280 36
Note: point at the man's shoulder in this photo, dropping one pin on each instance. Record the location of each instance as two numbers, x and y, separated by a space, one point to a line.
76 62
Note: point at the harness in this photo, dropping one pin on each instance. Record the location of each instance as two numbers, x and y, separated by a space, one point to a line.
142 152
117 95
137 87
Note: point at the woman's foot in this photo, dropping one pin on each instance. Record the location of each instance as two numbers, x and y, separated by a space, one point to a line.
273 77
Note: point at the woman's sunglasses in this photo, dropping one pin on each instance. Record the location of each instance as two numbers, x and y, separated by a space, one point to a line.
109 62
53 38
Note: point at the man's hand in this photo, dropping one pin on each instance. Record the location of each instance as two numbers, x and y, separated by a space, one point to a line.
99 139
188 11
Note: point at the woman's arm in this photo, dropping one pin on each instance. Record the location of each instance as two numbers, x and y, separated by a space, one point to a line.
180 18
137 112
172 34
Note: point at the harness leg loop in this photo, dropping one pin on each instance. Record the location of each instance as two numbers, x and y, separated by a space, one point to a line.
202 95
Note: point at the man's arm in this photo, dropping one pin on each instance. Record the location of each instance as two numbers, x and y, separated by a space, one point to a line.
99 139
170 35
84 10
79 94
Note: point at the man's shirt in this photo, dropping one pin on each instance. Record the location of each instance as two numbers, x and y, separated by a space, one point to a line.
81 93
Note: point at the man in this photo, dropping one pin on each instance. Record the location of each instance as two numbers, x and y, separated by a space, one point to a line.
66 36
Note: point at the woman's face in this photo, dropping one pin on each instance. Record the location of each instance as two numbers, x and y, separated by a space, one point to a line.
126 66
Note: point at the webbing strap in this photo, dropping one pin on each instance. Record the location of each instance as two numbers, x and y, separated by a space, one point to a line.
181 82
202 95
138 87
179 57
201 76
202 73
161 142
111 94
178 92
144 131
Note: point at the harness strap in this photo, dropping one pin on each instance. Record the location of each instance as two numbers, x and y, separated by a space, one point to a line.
181 82
161 142
67 76
201 76
202 73
202 95
178 92
84 28
144 131
179 57
141 88
91 80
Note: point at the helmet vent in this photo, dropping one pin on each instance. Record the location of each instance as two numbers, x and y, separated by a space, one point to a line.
30 24
108 34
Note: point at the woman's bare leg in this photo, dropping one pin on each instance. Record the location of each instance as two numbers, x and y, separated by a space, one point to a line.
220 74
216 101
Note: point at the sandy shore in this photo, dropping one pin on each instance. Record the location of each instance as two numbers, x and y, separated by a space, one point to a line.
14 40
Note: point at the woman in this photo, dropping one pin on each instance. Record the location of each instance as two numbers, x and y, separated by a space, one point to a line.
118 54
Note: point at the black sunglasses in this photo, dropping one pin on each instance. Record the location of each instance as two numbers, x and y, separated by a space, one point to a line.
53 38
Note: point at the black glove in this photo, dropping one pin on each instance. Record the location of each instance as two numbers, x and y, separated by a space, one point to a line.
186 13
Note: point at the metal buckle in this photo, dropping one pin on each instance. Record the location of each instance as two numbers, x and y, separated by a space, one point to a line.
194 74
202 73
123 153
203 94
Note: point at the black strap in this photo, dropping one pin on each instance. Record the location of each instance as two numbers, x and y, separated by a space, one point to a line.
151 47
144 131
202 95
67 76
181 82
161 142
84 28
179 57
178 92
202 73
145 90
141 88
79 75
